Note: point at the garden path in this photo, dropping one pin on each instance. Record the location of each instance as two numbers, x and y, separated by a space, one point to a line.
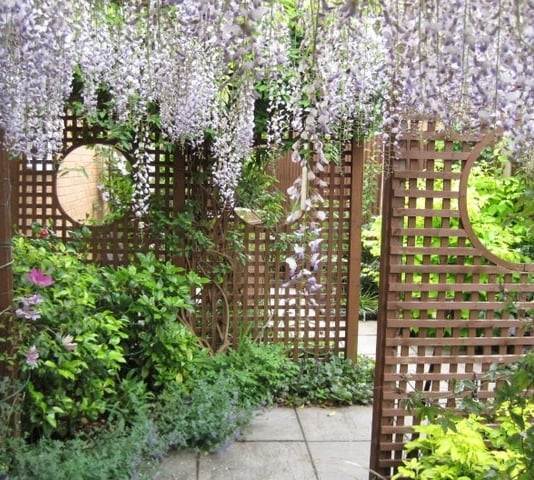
309 443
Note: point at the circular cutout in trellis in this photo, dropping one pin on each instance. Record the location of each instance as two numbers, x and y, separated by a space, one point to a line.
94 185
497 206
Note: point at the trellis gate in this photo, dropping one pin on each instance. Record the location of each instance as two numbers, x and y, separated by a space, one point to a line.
446 300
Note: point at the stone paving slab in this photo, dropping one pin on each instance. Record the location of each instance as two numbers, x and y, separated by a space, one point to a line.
341 460
259 461
274 424
310 443
180 465
343 424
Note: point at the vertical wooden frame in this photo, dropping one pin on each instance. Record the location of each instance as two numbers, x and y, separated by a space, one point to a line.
355 248
6 270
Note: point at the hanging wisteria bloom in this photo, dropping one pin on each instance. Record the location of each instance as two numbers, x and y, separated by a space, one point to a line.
327 70
32 356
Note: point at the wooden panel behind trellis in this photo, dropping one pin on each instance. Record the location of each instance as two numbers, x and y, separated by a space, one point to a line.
445 297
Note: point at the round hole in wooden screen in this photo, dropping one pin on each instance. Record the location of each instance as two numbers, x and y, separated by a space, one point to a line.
93 184
500 205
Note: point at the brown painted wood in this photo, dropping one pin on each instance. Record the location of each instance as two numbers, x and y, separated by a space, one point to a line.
355 250
445 300
6 270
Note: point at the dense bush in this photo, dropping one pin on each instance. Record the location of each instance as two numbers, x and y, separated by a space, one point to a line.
498 445
336 381
106 377
151 295
71 349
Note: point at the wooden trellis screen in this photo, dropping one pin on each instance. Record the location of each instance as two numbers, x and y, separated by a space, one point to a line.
253 299
34 199
278 313
253 292
446 299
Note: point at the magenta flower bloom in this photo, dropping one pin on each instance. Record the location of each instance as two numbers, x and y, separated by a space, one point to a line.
39 278
32 355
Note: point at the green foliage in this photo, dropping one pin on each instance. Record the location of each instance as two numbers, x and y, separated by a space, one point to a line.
260 372
79 346
459 454
114 453
257 191
206 419
120 379
501 207
335 381
151 295
498 445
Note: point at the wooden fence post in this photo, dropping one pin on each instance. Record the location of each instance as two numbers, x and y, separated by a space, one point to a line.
355 249
6 271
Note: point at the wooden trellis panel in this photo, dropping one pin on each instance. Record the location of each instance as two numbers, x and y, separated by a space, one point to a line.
250 295
34 199
445 298
259 302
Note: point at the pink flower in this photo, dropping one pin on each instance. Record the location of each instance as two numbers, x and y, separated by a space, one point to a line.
32 355
69 343
39 278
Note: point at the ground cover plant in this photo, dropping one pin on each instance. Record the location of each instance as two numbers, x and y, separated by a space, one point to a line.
107 379
490 440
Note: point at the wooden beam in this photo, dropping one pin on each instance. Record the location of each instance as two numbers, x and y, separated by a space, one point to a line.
6 270
355 249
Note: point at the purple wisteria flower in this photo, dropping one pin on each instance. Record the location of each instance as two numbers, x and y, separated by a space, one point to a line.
314 245
39 278
299 251
27 312
313 286
32 355
292 264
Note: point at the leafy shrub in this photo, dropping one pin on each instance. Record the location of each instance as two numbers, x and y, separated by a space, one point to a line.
499 446
336 381
71 350
151 295
260 372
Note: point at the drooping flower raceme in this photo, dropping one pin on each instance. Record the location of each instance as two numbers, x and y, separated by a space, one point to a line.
37 59
466 61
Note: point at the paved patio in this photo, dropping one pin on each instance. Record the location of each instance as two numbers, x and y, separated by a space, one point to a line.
308 443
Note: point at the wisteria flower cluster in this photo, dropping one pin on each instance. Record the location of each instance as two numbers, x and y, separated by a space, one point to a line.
327 67
304 266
